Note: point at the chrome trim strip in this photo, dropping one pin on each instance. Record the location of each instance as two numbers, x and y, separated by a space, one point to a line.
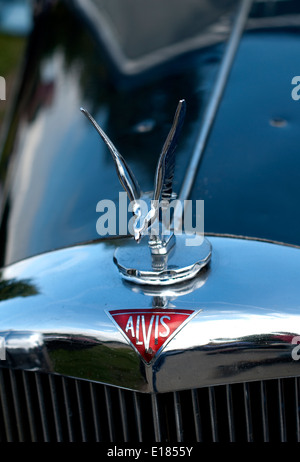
282 417
156 419
4 405
263 400
249 429
197 420
55 407
81 409
213 414
41 400
68 410
96 417
178 418
109 413
30 407
137 415
212 108
17 407
124 421
229 404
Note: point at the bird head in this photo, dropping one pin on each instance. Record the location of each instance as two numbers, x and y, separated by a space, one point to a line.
143 220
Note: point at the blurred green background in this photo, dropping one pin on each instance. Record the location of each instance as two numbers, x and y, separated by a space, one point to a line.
11 53
16 20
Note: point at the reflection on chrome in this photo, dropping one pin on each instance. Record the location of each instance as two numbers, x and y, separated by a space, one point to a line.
162 296
242 330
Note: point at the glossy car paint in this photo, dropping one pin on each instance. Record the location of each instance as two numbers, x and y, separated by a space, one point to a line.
60 169
54 170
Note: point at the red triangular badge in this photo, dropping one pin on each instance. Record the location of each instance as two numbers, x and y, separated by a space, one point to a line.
149 330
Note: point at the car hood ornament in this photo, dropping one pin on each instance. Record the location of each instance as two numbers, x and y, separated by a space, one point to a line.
148 331
161 257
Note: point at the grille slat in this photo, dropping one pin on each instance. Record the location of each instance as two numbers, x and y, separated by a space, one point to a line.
156 419
81 408
138 417
196 415
123 415
178 418
213 414
40 407
109 414
6 409
30 407
56 411
265 423
68 410
17 406
96 416
249 429
229 406
281 412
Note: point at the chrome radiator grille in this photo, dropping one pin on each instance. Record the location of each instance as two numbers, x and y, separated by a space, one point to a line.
38 407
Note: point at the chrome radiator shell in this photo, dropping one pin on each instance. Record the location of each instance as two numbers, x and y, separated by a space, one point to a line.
54 318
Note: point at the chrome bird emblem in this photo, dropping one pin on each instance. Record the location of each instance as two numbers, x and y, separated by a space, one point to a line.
163 183
166 263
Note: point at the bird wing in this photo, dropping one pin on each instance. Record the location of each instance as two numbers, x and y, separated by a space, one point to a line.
126 177
166 164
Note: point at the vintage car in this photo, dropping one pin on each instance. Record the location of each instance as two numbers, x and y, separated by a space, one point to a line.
117 337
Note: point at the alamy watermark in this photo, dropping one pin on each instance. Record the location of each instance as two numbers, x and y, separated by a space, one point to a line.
295 350
2 88
2 349
181 217
296 89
